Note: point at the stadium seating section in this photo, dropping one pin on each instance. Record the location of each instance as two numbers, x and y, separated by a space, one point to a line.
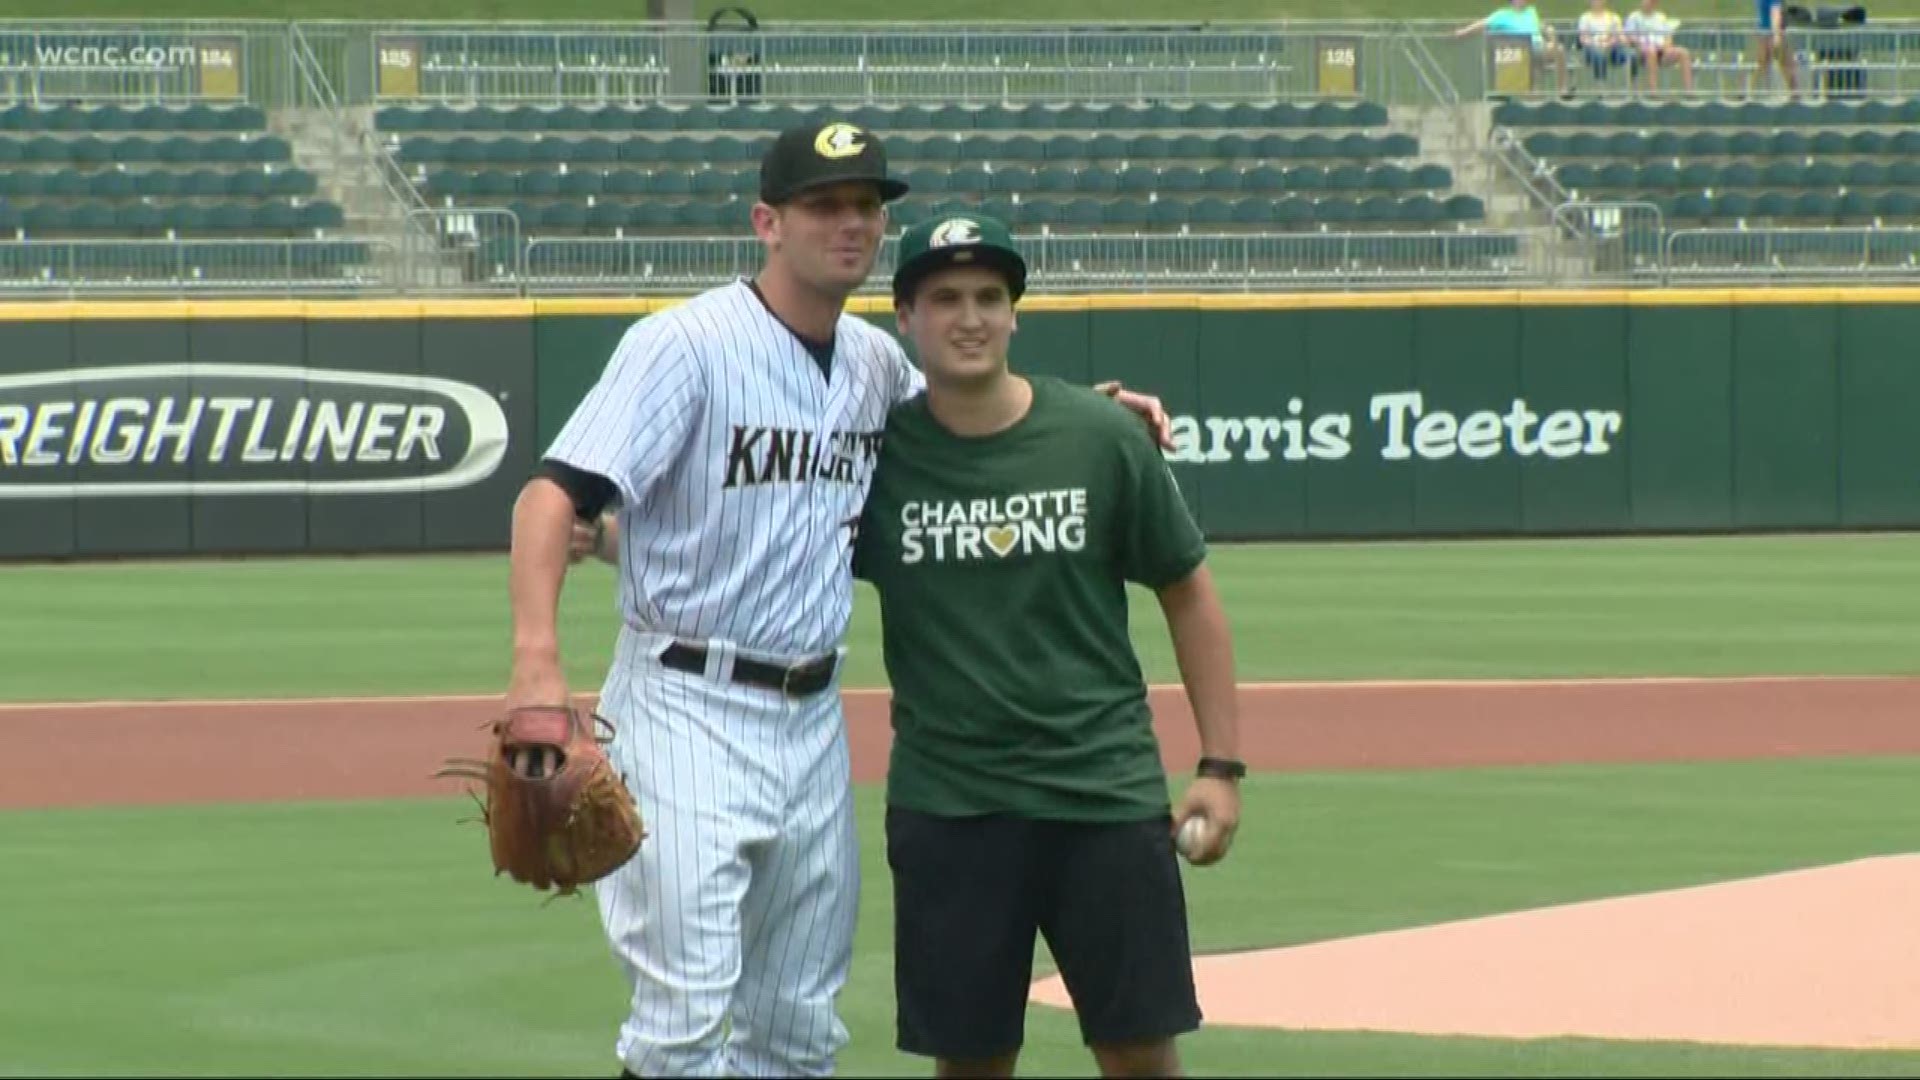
1077 168
1719 164
212 175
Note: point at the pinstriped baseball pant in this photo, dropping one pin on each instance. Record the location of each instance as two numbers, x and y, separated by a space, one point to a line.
734 923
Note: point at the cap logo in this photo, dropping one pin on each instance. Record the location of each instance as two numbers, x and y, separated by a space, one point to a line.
839 141
955 231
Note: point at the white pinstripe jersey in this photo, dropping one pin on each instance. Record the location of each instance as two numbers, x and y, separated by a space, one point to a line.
742 468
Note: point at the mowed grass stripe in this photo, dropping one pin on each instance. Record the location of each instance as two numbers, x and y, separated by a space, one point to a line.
1791 605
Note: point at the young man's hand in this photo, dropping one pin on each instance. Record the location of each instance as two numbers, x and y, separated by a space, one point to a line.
1217 801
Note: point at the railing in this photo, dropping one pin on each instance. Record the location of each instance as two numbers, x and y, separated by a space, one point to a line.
369 61
463 250
245 267
1062 263
97 61
1828 255
1612 242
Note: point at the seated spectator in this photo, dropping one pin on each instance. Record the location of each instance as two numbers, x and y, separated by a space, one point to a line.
1602 41
1521 19
1650 31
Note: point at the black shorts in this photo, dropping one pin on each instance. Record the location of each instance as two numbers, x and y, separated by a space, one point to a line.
969 895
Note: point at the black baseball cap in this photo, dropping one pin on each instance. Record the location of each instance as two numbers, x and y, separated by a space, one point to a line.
825 152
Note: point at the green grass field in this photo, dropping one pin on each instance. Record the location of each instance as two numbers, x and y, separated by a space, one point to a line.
1700 606
1064 11
370 939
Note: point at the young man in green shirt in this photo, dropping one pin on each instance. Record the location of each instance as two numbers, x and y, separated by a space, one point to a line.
1025 792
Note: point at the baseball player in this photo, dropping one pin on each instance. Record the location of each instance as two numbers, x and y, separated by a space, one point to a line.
735 436
1025 793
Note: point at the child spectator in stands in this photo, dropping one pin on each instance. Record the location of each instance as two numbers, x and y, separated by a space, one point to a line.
1773 45
1651 32
1602 41
1521 19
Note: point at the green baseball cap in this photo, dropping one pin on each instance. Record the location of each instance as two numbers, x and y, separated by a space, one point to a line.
957 240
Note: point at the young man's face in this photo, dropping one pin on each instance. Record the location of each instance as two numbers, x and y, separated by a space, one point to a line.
960 321
826 237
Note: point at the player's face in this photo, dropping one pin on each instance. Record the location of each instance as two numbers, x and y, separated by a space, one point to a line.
960 322
827 237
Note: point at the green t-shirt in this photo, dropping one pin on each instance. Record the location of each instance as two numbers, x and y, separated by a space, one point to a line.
1001 564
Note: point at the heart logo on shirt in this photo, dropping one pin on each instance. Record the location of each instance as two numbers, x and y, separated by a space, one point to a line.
1000 538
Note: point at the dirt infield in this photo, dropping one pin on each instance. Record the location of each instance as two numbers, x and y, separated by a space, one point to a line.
169 752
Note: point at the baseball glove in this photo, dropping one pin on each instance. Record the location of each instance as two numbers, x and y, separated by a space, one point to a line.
556 813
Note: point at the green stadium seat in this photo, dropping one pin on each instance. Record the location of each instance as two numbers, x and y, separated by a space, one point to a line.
1784 174
1152 147
1905 143
1306 178
1896 204
1824 173
1739 174
1380 209
1054 179
139 218
1773 204
1666 144
607 215
484 184
113 184
968 178
1708 144
1577 175
1221 178
1252 211
1693 206
292 182
1103 147
1263 179
1628 144
1866 174
1421 210
1014 178
1790 143
1828 142
1465 208
1617 175
1431 176
1733 204
538 183
252 184
1334 210
1191 147
1904 174
1855 206
277 217
1183 179
1657 176
669 182
1080 213
1099 180
1545 144
1347 177
1020 148
1699 174
1585 144
1816 204
204 184
1867 142
1137 180
583 183
625 183
925 181
1210 212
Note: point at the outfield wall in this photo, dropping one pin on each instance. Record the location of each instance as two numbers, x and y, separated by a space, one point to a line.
219 428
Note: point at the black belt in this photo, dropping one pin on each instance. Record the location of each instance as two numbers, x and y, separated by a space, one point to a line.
796 680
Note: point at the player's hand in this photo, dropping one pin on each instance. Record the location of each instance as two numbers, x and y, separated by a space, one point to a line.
1147 406
1218 801
537 680
586 539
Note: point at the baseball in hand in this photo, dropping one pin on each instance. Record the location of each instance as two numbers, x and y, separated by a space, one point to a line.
1195 834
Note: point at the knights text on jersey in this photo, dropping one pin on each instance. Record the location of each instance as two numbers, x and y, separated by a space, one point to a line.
742 468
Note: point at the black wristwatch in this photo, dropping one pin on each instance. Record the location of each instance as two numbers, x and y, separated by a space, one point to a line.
1221 768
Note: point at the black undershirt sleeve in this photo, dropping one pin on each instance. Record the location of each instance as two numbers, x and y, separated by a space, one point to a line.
590 492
